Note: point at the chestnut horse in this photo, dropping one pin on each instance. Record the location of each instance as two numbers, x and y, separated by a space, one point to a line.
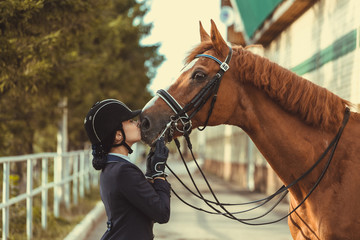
291 121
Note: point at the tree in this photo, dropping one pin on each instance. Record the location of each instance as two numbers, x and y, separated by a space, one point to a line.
83 50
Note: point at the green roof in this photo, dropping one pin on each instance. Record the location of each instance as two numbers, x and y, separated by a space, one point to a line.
255 12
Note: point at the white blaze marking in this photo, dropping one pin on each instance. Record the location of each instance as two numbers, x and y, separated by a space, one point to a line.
190 65
150 103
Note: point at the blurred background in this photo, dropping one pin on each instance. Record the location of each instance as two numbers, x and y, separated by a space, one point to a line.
59 57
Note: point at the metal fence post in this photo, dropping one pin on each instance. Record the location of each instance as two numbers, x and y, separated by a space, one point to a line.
57 187
29 186
82 174
44 192
87 173
75 178
67 183
5 199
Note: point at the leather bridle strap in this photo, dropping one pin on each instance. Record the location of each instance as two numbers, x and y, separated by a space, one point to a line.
205 93
170 101
199 100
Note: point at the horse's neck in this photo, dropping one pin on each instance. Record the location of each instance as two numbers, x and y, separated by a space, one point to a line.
313 104
289 145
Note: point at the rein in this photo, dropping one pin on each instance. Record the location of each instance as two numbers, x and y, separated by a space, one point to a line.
183 115
283 190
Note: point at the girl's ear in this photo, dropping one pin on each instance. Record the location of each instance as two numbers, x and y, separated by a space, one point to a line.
118 136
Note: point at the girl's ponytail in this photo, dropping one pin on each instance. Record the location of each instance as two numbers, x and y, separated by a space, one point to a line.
100 156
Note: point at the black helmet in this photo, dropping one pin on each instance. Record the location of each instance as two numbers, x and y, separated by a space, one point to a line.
106 117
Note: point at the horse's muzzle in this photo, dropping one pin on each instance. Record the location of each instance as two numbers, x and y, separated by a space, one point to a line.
152 127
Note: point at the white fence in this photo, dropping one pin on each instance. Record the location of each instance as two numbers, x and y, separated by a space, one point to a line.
69 167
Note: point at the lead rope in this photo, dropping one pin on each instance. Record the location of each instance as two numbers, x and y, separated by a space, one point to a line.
282 189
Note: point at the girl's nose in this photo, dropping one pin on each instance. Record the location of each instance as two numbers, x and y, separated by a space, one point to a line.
137 123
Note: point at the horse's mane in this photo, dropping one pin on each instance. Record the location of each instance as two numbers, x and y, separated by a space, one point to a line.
313 104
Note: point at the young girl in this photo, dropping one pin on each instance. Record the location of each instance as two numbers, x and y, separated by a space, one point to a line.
133 201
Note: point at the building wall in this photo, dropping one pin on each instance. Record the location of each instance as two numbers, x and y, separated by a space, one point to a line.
319 33
320 27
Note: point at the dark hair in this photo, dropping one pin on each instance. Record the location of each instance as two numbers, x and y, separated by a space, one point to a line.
101 150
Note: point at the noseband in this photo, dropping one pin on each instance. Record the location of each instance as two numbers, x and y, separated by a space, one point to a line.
195 105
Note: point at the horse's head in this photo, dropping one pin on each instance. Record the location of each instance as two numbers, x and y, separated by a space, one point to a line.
200 74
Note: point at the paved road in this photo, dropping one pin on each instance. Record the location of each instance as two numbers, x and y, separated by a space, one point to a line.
188 224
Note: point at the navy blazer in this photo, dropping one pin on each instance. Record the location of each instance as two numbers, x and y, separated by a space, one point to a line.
132 204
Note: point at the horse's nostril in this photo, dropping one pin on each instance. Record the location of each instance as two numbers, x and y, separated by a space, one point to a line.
145 124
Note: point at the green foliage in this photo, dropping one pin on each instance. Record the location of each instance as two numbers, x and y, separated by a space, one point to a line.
14 185
83 50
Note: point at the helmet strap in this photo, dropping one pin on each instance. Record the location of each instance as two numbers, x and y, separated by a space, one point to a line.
123 143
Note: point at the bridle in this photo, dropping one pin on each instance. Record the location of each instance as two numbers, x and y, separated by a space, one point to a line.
183 115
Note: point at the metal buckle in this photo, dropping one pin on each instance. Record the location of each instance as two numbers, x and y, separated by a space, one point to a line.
109 225
224 66
185 122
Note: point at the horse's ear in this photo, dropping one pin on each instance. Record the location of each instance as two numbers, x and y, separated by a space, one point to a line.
204 36
218 42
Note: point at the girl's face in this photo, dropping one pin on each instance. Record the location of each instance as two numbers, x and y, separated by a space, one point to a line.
132 131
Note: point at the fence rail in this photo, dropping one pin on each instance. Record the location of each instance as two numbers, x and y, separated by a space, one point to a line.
71 167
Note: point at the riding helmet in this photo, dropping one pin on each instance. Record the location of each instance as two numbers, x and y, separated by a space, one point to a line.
106 117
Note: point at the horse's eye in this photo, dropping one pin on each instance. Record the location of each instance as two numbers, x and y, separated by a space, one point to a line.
198 76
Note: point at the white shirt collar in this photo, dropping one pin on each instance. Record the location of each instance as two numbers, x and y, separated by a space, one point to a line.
120 155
